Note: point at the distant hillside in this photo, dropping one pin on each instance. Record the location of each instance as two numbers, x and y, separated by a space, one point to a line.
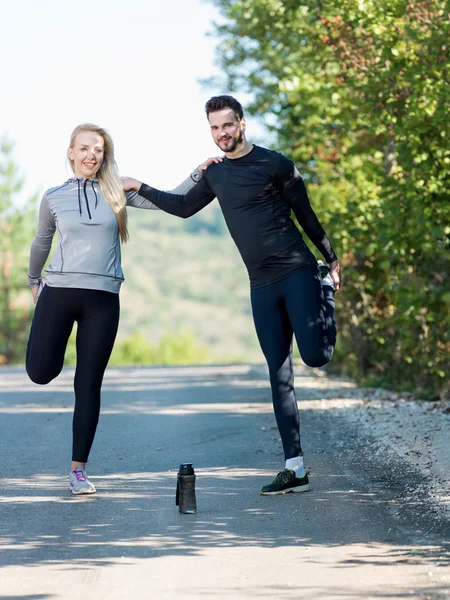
179 280
209 220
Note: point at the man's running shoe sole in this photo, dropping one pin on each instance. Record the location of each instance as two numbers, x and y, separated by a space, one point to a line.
299 488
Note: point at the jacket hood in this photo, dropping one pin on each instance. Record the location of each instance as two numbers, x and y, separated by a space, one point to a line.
79 179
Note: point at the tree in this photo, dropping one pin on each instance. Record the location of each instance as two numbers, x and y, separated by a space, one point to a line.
16 232
356 92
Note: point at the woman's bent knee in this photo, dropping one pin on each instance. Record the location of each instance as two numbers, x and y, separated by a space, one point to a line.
42 378
38 378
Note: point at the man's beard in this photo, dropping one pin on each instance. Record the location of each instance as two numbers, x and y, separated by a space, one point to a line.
236 141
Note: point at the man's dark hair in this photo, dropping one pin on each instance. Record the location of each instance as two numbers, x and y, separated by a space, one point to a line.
220 102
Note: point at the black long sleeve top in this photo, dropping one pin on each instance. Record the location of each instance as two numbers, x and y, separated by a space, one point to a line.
256 193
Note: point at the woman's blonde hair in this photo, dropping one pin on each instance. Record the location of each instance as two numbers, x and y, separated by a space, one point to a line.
108 177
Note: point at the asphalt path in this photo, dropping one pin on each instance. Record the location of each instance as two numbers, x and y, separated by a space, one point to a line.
353 536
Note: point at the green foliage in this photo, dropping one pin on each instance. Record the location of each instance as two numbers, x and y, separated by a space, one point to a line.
174 348
210 221
357 95
16 232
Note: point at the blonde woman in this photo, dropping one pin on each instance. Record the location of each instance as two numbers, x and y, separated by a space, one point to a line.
83 279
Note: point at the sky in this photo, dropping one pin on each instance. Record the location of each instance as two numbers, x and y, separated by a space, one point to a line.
131 67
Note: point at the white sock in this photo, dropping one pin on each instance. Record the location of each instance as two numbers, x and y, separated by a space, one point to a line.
296 464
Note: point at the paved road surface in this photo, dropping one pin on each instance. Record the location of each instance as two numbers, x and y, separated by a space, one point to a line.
352 537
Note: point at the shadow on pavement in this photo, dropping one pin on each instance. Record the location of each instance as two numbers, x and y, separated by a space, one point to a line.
28 597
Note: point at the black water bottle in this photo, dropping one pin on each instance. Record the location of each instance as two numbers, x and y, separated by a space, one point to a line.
186 489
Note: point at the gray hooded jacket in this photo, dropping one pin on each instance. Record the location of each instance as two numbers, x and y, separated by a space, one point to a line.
88 252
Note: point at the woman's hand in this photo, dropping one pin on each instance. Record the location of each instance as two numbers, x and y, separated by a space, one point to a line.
209 161
335 274
130 184
36 290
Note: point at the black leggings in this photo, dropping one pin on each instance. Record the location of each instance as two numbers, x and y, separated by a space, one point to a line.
97 315
298 304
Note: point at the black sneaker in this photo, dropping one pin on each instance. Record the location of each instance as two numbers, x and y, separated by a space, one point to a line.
286 482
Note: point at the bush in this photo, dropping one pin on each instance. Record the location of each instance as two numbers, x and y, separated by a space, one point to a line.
174 348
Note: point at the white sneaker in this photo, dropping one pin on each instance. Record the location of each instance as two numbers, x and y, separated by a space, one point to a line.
79 483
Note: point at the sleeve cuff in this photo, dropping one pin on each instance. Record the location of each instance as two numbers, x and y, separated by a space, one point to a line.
333 258
145 191
34 281
196 175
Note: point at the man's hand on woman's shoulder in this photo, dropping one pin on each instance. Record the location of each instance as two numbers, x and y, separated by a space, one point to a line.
130 184
209 161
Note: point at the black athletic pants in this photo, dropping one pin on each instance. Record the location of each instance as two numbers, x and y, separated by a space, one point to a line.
97 315
298 304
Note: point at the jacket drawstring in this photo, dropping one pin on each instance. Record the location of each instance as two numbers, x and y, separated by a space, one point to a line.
87 201
93 189
79 197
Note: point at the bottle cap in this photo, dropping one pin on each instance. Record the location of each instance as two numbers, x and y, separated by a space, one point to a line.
186 469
